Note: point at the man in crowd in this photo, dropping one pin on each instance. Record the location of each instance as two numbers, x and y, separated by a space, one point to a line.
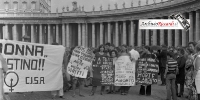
170 75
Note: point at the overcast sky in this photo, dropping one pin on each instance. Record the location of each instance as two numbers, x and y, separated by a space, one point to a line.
88 4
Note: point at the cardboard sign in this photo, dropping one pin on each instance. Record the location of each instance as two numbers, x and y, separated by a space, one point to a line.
124 72
147 71
80 61
103 71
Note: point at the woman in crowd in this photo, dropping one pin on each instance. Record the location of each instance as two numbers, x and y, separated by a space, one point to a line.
189 68
180 78
124 89
196 74
76 82
146 54
100 53
113 54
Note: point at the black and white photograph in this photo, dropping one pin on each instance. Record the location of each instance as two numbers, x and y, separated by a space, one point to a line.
99 49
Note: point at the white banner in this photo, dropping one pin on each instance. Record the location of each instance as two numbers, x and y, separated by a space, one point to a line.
160 24
80 61
32 67
124 72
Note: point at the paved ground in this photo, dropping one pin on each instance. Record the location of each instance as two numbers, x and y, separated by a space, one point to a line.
158 93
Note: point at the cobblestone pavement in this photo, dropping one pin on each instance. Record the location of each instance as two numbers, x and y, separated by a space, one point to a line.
158 93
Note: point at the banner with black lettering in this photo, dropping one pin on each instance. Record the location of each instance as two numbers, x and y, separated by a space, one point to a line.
32 67
80 61
124 72
147 70
103 71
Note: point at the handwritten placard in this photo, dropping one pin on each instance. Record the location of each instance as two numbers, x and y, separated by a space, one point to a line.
80 61
103 71
124 72
147 71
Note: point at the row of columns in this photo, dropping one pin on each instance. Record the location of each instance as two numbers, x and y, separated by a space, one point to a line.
62 33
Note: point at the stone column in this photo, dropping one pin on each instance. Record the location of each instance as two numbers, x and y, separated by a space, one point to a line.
63 34
57 33
109 33
15 34
184 42
101 33
147 37
40 34
124 32
67 35
139 39
32 34
93 34
23 30
176 37
116 34
131 38
49 34
83 34
197 26
79 34
5 32
162 36
169 34
86 34
154 37
191 31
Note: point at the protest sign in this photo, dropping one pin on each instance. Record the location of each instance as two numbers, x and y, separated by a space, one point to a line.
124 72
147 71
103 71
80 61
32 67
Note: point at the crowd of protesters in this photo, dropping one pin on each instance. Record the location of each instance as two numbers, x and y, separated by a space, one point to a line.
178 66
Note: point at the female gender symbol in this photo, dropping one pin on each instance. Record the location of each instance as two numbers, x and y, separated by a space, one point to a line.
11 84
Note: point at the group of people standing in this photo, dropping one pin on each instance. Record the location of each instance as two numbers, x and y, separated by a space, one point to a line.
177 67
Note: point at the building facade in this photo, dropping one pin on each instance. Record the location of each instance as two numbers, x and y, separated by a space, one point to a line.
119 26
31 6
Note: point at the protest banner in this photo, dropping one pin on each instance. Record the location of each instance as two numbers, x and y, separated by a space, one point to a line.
80 61
124 72
103 71
32 67
147 71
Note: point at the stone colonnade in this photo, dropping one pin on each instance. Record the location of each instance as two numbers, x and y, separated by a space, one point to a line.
93 34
